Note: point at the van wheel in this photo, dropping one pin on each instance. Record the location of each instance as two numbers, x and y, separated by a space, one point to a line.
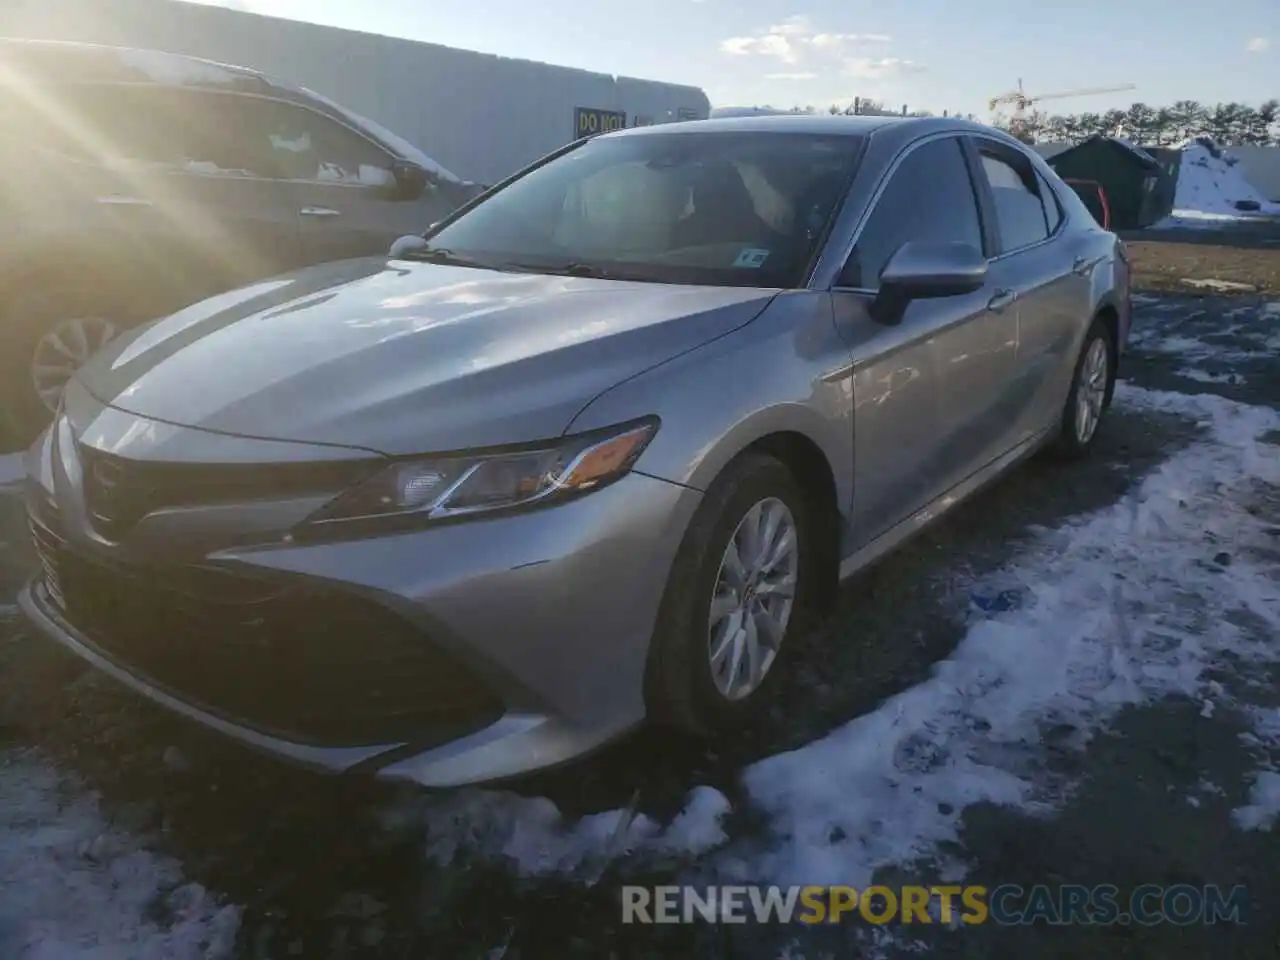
49 340
740 587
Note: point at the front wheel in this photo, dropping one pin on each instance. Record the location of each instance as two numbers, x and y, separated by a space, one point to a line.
739 589
1090 393
47 339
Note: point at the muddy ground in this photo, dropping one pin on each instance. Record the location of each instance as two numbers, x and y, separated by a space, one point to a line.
1163 261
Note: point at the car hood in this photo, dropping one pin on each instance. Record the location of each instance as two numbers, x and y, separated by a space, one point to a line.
402 357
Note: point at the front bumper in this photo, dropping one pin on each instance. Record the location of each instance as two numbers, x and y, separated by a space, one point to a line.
547 615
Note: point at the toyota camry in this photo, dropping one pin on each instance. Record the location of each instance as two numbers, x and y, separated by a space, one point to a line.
590 452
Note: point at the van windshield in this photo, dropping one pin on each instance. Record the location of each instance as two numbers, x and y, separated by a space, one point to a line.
742 208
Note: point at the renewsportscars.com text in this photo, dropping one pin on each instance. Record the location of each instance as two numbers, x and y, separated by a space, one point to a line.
1006 905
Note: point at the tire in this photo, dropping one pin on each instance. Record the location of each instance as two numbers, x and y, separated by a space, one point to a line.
682 687
1095 385
44 321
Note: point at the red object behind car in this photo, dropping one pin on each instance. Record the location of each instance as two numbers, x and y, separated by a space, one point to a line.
1095 198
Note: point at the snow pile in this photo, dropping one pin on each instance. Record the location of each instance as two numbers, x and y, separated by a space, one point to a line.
536 839
1210 184
72 887
1264 803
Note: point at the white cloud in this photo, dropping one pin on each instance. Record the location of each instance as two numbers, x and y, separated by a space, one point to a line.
791 76
795 39
1258 45
836 42
797 26
768 45
866 68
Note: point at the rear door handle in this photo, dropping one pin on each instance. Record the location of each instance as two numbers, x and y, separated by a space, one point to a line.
1082 266
319 212
1001 300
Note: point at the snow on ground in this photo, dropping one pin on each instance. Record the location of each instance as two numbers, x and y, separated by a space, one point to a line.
11 469
1121 607
1221 338
1208 188
1263 739
73 887
1264 803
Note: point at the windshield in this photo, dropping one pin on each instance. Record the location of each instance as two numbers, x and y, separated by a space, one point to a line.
722 208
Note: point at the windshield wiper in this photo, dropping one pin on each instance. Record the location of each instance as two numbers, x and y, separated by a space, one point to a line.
448 257
573 269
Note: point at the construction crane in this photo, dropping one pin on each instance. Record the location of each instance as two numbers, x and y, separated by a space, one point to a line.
1021 101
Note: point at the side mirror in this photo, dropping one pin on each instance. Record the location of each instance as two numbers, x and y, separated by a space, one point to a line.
926 271
410 180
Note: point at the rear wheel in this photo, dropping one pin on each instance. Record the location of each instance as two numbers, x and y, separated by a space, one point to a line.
1090 395
740 587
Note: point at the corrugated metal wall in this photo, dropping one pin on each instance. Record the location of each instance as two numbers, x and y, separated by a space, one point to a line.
1261 166
480 115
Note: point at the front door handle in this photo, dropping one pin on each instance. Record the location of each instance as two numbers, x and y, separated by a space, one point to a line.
319 212
1001 300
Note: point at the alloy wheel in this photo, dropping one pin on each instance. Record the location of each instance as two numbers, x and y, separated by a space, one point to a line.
62 351
753 599
1091 390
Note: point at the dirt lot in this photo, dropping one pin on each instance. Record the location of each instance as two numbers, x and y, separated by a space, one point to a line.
1164 265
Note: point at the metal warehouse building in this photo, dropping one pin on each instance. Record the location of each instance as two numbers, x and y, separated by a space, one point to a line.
481 116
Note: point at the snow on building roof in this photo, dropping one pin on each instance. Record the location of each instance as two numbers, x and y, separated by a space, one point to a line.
1210 185
1134 148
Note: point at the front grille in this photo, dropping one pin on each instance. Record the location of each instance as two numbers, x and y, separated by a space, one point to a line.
294 659
119 492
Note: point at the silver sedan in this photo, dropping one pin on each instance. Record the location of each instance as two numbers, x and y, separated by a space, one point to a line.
593 452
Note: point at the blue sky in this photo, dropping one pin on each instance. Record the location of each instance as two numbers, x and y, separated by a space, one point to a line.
931 54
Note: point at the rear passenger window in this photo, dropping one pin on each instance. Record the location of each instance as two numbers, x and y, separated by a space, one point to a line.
1052 212
1020 215
928 199
132 123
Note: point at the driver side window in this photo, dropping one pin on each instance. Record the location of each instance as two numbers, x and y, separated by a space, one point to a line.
627 208
303 145
929 198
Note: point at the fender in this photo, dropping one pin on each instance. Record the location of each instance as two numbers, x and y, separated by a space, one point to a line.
781 373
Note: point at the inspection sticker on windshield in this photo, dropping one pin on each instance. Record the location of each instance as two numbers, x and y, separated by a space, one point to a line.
751 257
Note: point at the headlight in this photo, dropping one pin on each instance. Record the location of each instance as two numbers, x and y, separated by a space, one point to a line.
439 487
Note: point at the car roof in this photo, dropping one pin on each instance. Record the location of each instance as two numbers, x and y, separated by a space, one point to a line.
73 61
53 61
811 124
